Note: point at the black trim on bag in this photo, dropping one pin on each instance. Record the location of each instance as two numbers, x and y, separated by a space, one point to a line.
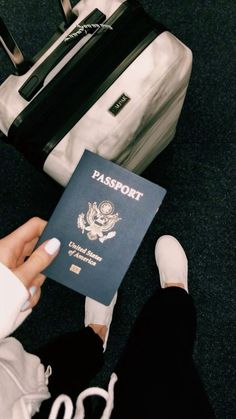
67 97
35 81
99 92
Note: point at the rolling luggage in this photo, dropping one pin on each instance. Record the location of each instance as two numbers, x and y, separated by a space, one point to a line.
112 80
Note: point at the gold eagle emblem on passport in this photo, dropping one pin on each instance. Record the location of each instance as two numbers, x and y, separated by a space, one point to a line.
100 219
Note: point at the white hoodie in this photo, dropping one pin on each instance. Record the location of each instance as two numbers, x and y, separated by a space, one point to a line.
23 378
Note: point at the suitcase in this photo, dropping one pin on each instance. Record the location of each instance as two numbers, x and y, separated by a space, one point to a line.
112 80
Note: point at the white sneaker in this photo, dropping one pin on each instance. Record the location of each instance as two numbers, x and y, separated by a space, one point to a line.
171 261
97 313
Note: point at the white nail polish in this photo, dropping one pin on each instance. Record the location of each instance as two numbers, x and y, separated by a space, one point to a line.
52 246
25 306
32 290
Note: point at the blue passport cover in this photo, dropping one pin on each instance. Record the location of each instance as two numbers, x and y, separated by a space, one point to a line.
100 220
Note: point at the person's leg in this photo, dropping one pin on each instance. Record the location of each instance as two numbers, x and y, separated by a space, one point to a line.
75 358
156 374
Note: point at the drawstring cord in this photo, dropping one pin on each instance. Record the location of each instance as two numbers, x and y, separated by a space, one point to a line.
57 405
89 28
47 373
110 400
92 391
97 391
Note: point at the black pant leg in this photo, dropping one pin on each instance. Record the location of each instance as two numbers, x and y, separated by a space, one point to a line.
75 359
156 374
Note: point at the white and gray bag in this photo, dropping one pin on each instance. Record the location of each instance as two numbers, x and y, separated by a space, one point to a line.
113 81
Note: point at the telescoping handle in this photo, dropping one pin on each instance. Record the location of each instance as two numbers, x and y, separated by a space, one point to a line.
11 48
34 83
70 16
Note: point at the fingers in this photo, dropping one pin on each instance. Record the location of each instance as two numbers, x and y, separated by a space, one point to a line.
37 262
29 247
34 292
27 250
35 299
12 246
14 249
32 229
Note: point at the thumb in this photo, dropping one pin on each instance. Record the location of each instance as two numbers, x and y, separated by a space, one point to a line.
38 261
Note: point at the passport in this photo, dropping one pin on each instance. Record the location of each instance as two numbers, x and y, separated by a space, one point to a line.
100 219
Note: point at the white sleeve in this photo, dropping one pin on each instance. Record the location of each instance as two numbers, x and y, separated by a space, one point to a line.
13 295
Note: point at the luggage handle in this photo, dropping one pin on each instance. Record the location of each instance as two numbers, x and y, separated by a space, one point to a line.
70 16
11 48
34 83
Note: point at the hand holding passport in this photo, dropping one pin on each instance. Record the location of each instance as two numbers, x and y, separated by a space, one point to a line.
100 220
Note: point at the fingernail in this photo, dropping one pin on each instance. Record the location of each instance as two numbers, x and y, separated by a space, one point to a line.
32 290
52 246
25 306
